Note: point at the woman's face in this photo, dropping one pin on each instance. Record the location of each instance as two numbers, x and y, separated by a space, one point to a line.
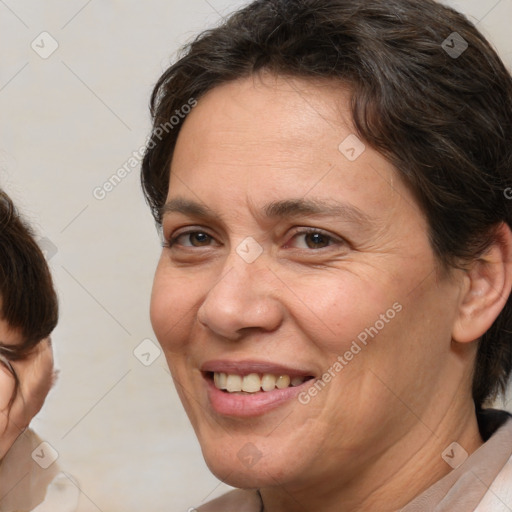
36 376
297 258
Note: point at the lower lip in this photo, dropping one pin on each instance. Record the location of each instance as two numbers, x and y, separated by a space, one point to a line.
250 404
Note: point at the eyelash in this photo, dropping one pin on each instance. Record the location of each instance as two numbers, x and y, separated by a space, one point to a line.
172 241
304 231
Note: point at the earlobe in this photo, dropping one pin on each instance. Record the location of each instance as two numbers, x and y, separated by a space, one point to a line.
487 286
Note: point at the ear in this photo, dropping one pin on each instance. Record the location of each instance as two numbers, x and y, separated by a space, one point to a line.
487 286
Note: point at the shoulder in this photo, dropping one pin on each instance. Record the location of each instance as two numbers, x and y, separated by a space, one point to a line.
499 496
238 500
24 484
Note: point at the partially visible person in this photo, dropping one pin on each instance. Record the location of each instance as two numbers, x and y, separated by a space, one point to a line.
28 315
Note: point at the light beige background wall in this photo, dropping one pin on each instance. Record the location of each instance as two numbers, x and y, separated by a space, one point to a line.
67 123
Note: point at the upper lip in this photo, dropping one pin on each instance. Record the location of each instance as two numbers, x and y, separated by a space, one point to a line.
245 367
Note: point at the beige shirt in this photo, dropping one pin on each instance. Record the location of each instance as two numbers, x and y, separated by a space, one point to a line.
482 483
31 480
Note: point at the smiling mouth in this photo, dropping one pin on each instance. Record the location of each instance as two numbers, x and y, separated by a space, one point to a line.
253 382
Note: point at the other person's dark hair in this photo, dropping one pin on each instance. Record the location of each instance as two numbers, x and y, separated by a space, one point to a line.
28 302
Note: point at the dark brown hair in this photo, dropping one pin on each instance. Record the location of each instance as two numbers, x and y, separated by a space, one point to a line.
443 118
28 299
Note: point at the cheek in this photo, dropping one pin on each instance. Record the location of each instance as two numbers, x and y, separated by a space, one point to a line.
6 390
171 310
345 309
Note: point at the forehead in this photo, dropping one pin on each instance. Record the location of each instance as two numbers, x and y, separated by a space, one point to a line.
273 138
285 115
9 336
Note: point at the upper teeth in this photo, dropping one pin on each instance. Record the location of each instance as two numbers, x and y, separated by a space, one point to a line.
253 382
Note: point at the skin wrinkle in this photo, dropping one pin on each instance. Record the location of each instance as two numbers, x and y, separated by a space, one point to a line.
277 211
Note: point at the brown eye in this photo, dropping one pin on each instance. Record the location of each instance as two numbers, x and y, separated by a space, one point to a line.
191 239
316 240
312 239
199 239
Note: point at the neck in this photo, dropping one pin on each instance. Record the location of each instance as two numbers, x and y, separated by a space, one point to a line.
399 474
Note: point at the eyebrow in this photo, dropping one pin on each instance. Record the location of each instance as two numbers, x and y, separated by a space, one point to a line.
274 210
298 207
188 207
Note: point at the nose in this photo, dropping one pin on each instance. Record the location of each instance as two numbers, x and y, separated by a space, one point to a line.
243 299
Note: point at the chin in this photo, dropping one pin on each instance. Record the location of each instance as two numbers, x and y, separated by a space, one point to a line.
247 468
